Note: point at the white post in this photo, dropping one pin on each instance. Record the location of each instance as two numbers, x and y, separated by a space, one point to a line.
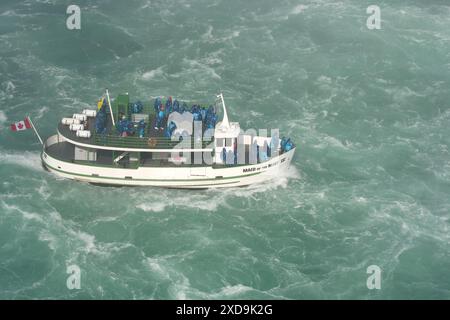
110 108
225 123
32 125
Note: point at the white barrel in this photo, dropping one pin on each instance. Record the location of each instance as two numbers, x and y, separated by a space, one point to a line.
76 127
80 116
90 113
68 121
83 133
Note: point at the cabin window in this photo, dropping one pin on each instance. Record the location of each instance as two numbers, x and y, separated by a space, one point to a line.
85 154
219 142
229 142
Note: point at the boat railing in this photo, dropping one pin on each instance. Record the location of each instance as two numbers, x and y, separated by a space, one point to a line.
117 141
54 139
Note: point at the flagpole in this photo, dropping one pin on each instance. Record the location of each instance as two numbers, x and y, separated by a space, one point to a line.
110 108
37 134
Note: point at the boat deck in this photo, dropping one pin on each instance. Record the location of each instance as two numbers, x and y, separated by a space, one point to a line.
112 139
65 151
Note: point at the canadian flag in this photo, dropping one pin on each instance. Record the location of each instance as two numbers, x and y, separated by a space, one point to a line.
21 125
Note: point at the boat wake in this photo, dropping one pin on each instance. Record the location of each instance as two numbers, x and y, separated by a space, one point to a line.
212 199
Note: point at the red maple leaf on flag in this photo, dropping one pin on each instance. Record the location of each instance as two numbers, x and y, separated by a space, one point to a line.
21 125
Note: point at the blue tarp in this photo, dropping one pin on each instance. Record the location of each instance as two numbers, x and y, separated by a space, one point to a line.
100 119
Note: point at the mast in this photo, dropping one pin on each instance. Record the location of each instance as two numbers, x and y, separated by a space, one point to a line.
225 123
35 131
110 108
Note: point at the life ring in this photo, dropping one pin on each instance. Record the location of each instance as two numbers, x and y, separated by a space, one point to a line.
152 142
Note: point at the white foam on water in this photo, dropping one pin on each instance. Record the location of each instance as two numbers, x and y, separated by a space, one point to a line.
299 9
329 141
152 206
41 112
26 214
230 291
8 92
147 4
50 239
207 36
44 190
220 37
13 13
89 241
149 75
210 200
213 58
360 199
27 159
3 118
187 42
256 114
180 287
124 30
181 201
198 67
10 87
155 265
231 34
61 233
408 221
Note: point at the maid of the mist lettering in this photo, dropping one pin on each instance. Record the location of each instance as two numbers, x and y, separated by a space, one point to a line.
374 20
374 280
73 22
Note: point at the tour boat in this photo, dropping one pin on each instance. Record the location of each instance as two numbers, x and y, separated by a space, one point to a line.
163 143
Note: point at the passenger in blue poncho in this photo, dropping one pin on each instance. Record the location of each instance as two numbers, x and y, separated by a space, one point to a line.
289 145
196 113
125 127
210 118
176 106
183 108
157 105
168 106
159 125
170 129
286 144
141 128
136 107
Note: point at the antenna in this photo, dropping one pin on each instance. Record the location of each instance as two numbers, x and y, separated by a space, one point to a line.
225 124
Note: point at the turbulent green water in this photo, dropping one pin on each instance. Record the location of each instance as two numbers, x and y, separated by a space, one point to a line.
368 109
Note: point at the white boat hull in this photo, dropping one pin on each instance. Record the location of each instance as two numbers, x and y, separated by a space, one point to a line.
172 177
